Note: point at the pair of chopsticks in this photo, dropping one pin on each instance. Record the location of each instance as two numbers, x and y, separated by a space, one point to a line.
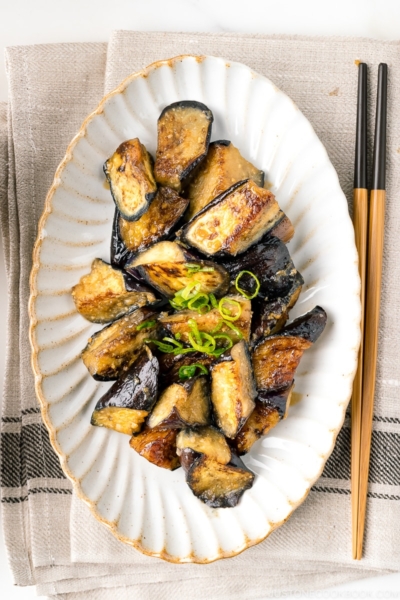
369 217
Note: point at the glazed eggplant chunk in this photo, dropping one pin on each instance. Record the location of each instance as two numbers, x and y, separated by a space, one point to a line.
236 220
276 358
222 167
269 410
184 131
105 294
158 446
160 252
171 277
170 365
204 440
271 263
178 323
181 405
217 485
130 175
111 351
157 222
233 391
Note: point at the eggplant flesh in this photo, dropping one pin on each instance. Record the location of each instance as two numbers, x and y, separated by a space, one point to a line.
137 387
105 294
182 405
204 440
160 252
157 222
178 322
171 277
217 485
308 326
222 167
123 420
158 446
270 262
130 175
269 410
111 351
236 220
170 365
233 391
183 137
275 360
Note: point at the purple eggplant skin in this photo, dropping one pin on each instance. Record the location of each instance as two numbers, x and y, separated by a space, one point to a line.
137 388
119 253
308 326
270 262
278 399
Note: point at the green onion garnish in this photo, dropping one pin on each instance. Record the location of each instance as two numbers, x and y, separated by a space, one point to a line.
145 324
167 348
174 342
235 329
213 300
187 371
194 268
199 302
243 292
225 312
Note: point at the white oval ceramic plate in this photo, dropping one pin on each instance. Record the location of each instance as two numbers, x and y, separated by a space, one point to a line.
148 507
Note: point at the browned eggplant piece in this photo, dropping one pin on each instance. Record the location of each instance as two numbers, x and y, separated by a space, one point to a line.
184 404
137 387
204 440
171 277
178 322
236 220
119 253
184 131
308 326
130 175
157 222
160 252
217 485
111 351
105 294
158 446
275 360
123 420
271 263
222 167
171 363
270 316
233 390
269 410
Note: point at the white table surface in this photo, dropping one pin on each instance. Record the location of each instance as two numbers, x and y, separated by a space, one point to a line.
46 21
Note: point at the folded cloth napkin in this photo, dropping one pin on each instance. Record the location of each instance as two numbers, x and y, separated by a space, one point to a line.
52 539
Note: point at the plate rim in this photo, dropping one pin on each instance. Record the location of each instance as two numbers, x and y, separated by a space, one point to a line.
38 377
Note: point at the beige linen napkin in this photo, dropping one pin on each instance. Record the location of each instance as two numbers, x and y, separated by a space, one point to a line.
52 88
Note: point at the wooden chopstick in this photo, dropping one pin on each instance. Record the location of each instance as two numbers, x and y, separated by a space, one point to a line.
372 295
360 219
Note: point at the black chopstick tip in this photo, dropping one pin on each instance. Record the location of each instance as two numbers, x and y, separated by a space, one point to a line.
379 160
360 166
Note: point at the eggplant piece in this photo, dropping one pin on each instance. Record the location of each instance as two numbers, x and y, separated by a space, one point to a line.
217 485
119 253
111 351
271 316
184 404
269 410
123 420
178 322
235 220
160 252
130 175
222 167
233 391
171 363
157 222
275 360
271 263
184 131
171 277
105 294
158 446
308 326
204 440
137 387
